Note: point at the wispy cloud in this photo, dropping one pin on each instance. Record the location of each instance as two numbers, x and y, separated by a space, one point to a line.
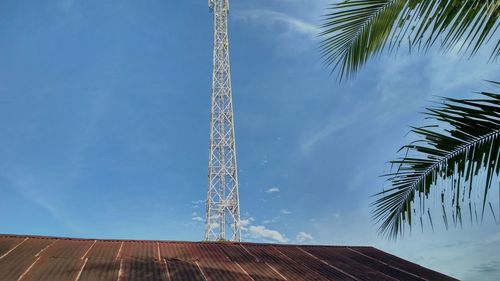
42 192
285 212
439 75
400 91
488 267
272 220
288 24
273 190
337 122
196 204
197 218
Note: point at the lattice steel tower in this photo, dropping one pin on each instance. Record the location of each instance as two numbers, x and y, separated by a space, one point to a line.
222 206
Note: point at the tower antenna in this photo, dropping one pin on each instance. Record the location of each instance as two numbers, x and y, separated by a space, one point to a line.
222 205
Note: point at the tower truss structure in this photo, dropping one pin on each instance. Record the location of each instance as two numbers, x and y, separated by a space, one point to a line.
222 205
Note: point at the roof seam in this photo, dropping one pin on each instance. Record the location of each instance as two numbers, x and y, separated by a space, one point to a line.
4 255
282 254
120 271
28 269
81 269
325 262
386 264
88 250
254 256
275 270
46 247
167 270
119 251
202 273
158 251
244 271
292 260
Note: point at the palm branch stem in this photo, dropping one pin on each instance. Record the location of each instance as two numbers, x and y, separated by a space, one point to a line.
456 155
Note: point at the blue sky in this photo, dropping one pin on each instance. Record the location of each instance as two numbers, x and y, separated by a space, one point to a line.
104 126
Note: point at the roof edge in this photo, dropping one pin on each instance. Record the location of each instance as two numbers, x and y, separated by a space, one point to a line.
6 235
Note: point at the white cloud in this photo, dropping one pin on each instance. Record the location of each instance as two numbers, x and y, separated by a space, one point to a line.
261 232
244 223
272 18
438 75
272 220
303 237
285 212
196 203
273 190
397 83
214 225
197 218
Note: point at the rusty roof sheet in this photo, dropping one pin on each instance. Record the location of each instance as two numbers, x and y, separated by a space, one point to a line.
30 258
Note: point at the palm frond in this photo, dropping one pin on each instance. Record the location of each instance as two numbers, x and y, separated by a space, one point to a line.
446 160
355 30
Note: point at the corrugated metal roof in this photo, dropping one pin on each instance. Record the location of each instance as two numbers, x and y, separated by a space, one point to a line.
30 258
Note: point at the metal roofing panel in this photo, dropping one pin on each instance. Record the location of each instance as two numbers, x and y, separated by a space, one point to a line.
54 269
402 264
9 243
339 258
13 265
237 253
290 268
223 271
58 259
100 269
143 269
318 266
260 271
179 251
105 250
179 270
210 252
139 250
209 257
66 248
345 257
257 270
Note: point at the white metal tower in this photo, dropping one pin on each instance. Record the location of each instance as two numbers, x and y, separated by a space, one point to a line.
222 206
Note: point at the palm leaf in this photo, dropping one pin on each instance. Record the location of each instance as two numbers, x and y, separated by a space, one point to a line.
448 160
356 30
